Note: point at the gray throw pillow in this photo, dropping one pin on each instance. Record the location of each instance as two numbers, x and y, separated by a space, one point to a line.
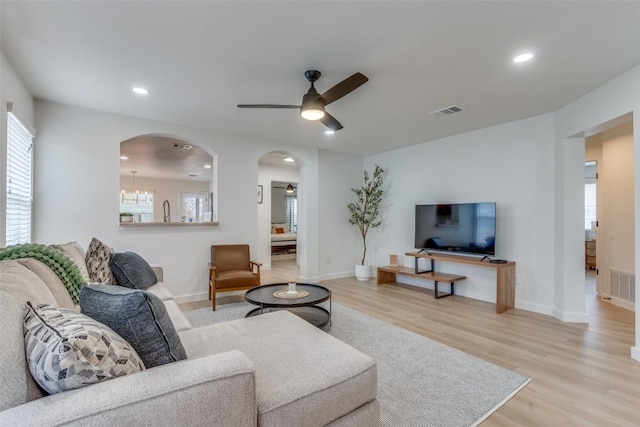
137 316
67 350
131 270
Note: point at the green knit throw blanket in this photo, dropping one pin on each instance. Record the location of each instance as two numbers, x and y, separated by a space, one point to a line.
56 260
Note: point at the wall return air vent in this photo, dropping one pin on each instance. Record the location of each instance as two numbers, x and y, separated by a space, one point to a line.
446 111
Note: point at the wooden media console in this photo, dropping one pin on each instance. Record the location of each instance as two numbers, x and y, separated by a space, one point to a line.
505 276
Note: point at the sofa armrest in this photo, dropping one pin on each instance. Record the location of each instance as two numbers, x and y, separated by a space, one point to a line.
158 271
212 390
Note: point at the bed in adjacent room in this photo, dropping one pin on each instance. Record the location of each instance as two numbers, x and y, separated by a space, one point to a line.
282 241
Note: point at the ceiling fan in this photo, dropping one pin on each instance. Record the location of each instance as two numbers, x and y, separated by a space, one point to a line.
289 188
313 103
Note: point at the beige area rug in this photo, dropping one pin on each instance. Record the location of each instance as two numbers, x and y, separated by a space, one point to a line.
421 382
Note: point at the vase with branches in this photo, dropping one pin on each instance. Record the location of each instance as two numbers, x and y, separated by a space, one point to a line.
365 211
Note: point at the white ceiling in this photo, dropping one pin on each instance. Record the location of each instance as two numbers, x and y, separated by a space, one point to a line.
200 59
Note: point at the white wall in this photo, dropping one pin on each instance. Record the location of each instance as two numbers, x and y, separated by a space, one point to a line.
340 243
12 89
506 164
78 167
615 185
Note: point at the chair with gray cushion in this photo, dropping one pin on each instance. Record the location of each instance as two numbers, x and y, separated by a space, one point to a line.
231 270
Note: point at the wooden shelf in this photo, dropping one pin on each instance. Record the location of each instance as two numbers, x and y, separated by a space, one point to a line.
459 259
505 276
431 275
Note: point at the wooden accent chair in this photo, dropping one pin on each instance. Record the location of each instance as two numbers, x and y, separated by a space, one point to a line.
231 270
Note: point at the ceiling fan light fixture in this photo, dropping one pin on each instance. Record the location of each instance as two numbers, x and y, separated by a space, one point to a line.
288 159
289 188
312 107
313 111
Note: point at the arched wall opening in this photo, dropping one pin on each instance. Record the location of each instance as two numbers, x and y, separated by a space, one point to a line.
167 179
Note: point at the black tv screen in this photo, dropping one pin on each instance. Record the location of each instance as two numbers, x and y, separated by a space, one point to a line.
460 227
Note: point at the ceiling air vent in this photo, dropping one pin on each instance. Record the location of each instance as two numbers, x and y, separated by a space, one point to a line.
446 111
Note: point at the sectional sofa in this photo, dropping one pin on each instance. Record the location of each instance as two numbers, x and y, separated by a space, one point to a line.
270 370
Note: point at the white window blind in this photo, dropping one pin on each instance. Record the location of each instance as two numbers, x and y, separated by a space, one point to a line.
19 182
291 213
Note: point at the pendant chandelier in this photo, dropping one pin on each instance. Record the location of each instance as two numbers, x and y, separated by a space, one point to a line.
136 193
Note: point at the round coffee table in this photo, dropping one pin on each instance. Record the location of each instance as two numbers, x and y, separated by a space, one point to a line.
305 307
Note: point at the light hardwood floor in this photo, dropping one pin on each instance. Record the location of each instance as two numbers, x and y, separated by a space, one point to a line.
582 375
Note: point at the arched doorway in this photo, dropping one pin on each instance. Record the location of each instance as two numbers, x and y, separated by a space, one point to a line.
278 210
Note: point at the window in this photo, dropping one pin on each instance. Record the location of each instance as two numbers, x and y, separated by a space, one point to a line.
137 204
590 195
589 204
195 207
19 182
291 213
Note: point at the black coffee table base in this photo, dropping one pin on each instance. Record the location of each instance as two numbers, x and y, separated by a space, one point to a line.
306 306
316 315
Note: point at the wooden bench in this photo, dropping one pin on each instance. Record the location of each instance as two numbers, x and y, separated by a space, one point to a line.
388 275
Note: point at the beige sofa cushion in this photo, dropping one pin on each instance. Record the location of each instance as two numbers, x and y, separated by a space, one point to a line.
18 285
74 251
180 322
322 380
51 279
160 290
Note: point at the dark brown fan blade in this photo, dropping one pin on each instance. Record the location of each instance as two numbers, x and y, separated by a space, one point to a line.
344 87
266 106
329 121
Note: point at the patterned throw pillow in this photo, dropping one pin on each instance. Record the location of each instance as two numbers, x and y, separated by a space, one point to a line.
97 260
67 350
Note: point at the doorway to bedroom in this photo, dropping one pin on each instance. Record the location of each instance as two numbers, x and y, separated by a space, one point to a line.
281 210
284 220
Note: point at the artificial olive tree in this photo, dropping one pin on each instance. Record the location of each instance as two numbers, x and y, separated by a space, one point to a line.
364 212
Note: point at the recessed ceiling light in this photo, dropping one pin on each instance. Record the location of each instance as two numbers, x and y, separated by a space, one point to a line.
140 90
329 132
288 159
523 57
207 166
124 158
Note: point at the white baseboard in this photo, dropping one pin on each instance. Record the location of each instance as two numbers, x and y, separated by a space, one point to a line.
635 353
339 275
536 308
623 303
191 298
570 317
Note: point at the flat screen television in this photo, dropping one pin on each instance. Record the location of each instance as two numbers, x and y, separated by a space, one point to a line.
467 228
